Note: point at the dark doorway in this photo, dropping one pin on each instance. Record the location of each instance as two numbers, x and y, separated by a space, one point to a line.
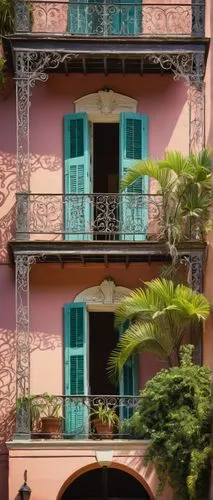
106 483
106 157
102 339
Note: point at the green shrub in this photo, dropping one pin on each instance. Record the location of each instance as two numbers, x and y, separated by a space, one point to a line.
174 413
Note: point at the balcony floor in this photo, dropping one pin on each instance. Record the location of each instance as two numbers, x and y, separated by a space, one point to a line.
101 251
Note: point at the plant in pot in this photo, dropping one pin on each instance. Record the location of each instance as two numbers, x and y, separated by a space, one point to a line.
51 419
104 419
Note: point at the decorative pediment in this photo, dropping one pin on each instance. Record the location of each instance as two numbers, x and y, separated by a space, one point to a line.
105 103
105 293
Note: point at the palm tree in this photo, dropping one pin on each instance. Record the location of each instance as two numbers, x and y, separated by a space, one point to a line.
160 315
186 188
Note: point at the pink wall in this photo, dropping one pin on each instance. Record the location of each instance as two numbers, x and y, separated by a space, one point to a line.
58 465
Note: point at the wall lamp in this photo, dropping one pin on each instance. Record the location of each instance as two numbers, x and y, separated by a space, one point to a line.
25 490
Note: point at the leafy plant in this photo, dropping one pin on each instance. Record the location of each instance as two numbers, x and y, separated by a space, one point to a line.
7 17
105 414
160 316
174 413
29 403
50 406
185 184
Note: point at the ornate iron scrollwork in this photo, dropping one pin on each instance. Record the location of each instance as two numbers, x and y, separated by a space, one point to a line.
195 262
23 264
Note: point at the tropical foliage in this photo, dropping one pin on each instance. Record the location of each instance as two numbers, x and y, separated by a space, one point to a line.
6 17
185 184
7 22
160 315
174 413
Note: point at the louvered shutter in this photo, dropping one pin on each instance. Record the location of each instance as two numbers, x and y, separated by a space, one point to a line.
128 382
78 17
133 147
76 376
130 17
76 177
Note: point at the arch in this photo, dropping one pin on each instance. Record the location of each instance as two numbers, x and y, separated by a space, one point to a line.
105 105
113 465
107 295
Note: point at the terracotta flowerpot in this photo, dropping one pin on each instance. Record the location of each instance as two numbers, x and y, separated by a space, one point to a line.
51 425
104 429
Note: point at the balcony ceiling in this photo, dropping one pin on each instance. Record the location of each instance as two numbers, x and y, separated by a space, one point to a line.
98 55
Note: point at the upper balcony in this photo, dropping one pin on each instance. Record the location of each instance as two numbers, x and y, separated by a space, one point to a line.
113 18
99 227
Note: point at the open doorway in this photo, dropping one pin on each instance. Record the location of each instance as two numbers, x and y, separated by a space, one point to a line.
106 483
103 338
105 157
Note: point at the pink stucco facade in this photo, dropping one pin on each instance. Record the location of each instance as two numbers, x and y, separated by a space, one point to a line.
164 101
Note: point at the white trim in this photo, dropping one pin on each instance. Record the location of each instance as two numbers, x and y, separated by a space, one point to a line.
105 106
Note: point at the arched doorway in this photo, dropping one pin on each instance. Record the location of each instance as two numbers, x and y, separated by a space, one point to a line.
106 483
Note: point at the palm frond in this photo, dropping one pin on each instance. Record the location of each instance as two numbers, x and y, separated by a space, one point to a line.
140 302
140 337
152 169
175 162
203 158
162 289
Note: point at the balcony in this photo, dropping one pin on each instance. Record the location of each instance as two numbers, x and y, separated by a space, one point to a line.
85 217
74 417
112 18
129 217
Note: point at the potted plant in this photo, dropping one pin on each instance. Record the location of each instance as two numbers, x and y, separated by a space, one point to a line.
105 419
51 418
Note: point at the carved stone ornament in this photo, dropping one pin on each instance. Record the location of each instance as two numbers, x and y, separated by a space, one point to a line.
104 103
105 293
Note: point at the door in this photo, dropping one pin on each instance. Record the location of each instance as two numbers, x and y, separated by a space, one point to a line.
128 382
76 368
76 177
133 147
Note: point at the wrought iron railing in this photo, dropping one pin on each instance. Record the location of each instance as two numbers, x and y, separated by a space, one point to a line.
88 216
74 417
108 18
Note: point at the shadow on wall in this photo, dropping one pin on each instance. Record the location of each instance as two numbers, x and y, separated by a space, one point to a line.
39 341
7 193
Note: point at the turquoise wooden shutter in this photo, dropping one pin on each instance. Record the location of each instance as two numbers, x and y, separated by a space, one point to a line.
76 373
133 147
128 382
78 17
76 172
124 19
